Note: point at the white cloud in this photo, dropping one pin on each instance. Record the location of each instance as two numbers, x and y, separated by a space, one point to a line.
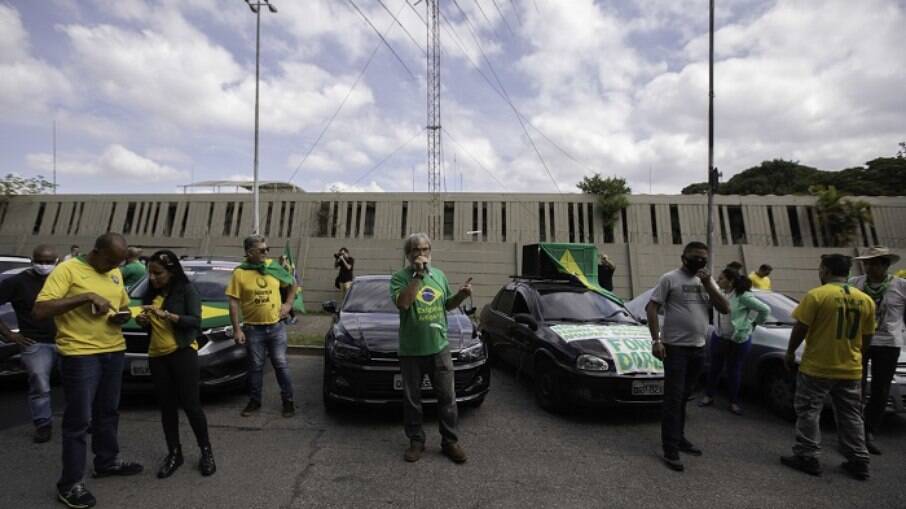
116 162
342 187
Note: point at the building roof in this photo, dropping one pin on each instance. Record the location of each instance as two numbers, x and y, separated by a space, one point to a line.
236 185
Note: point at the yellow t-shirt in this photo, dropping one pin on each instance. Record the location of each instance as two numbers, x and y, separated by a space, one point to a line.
258 295
79 332
837 316
761 283
162 339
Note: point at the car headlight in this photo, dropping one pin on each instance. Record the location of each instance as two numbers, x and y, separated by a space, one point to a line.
218 333
472 353
347 352
591 363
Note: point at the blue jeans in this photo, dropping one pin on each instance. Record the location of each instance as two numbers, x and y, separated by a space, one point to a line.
39 360
91 385
682 367
729 353
264 340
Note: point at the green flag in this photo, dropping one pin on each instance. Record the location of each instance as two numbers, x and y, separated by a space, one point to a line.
579 261
290 265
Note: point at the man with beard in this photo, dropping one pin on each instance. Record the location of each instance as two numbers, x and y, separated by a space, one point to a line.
687 294
423 296
35 337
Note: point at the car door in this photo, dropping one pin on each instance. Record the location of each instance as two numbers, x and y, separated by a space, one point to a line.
521 339
499 321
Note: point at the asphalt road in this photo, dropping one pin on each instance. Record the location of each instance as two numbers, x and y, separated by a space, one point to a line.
519 456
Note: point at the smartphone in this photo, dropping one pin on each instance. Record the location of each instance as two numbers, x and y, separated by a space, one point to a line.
120 317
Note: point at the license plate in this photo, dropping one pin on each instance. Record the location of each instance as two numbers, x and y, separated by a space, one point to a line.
647 387
139 367
398 383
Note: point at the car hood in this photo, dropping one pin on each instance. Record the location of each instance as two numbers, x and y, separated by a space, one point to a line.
380 331
629 346
213 314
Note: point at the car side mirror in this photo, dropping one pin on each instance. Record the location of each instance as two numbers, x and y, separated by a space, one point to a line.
329 306
527 320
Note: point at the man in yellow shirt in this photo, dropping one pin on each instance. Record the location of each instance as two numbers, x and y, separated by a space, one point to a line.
262 292
760 278
836 321
86 298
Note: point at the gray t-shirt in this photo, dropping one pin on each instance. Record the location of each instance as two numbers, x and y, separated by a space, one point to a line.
889 314
686 304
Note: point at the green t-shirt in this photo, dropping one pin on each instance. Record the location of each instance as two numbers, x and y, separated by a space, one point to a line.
132 273
423 327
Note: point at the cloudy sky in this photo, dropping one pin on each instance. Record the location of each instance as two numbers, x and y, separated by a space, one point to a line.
149 95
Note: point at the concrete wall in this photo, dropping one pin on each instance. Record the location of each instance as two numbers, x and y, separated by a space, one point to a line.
372 226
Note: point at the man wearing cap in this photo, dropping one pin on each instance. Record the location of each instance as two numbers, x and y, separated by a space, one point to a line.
889 294
761 278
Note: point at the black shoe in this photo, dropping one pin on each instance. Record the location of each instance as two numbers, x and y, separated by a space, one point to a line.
289 408
120 468
76 497
856 469
252 407
672 460
171 462
42 434
686 447
206 464
872 448
808 465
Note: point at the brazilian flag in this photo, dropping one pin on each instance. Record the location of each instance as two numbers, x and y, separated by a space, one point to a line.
289 264
579 261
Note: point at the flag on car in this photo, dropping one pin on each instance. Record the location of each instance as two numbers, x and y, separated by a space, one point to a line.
577 260
289 264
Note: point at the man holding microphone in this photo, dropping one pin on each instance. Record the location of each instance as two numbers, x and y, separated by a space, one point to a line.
422 295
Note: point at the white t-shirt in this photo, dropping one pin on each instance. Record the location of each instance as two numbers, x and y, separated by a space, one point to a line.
889 313
686 305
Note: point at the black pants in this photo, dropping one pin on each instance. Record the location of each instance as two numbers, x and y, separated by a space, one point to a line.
883 364
682 368
175 377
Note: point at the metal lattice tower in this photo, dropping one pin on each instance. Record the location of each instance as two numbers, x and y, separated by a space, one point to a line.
435 147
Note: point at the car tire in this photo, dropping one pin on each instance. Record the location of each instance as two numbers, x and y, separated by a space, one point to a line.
475 403
549 386
779 389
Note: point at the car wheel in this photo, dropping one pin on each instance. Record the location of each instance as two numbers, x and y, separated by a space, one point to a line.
549 387
475 403
779 389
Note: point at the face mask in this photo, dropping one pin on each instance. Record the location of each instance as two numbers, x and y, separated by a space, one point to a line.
694 263
43 269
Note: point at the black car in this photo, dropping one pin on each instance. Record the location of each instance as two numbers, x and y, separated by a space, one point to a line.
361 365
222 363
581 348
10 364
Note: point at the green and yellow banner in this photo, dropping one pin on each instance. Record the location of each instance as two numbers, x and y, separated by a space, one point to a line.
579 261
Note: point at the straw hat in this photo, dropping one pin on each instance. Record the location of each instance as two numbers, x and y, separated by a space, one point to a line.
879 252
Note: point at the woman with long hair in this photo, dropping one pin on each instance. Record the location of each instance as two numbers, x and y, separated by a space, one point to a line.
732 338
172 312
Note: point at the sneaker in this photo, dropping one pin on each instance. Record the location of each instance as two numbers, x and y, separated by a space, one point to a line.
252 407
872 448
736 409
414 452
856 469
686 447
672 460
289 408
454 452
42 434
808 465
706 401
119 468
76 497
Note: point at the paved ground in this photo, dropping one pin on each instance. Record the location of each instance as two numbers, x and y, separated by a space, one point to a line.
519 456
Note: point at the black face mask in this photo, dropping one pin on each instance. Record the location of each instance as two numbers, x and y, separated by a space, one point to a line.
694 263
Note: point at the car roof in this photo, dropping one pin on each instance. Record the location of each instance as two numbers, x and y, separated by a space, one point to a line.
209 263
373 277
6 258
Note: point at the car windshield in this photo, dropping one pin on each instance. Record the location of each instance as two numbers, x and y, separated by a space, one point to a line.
781 307
581 306
369 296
209 281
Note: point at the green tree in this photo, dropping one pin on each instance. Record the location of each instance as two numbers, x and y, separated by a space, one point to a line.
838 215
13 184
612 194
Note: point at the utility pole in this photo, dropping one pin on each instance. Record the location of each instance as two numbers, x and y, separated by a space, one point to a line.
712 172
435 147
54 156
256 8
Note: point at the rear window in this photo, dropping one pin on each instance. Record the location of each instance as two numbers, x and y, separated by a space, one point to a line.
6 265
210 282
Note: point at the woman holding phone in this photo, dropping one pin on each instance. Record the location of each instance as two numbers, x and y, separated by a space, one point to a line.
172 312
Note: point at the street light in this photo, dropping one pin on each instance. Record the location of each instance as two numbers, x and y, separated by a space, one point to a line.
256 8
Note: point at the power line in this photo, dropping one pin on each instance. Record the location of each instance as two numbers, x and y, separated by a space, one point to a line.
516 11
400 60
342 103
505 22
394 16
387 158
